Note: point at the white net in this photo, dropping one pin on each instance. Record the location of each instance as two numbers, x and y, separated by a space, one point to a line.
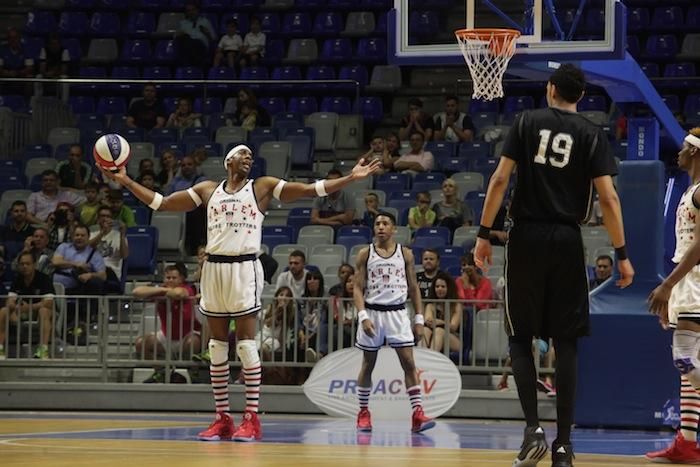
487 53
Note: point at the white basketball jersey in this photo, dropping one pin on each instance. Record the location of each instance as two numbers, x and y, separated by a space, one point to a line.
386 278
686 217
234 222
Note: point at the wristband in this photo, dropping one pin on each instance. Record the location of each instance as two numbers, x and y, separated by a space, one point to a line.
362 315
419 319
157 201
321 188
621 252
484 232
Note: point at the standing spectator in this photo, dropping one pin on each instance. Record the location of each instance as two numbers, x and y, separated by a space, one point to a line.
437 325
19 229
345 270
110 241
61 223
313 318
335 209
15 63
371 209
148 112
229 45
168 169
74 173
193 37
379 151
603 271
472 285
38 246
20 308
295 275
53 63
421 215
183 117
87 212
42 203
417 159
453 125
451 211
253 45
79 267
431 266
417 121
120 212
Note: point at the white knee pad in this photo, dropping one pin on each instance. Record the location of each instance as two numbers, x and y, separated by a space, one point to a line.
218 351
247 351
685 355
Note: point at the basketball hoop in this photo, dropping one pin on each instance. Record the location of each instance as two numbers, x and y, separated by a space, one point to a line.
487 53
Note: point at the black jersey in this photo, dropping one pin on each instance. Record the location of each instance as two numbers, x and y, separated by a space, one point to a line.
558 154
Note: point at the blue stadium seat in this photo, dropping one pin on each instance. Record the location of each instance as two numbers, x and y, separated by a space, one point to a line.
208 105
104 24
140 24
336 50
474 149
119 5
165 51
691 108
11 182
269 22
216 5
679 70
392 182
274 52
184 73
361 231
296 24
155 73
132 135
15 103
516 104
302 105
638 19
692 18
286 72
163 135
341 4
672 101
633 46
261 135
195 136
32 47
259 168
328 23
254 73
273 105
476 106
667 18
143 245
594 21
423 24
358 73
246 4
452 165
309 4
483 119
124 72
137 51
37 150
302 151
339 104
72 24
80 4
442 233
450 251
152 5
286 231
212 149
376 4
371 109
40 23
320 72
299 217
427 181
111 105
593 102
90 72
441 149
177 148
221 72
650 69
92 120
663 46
380 25
371 50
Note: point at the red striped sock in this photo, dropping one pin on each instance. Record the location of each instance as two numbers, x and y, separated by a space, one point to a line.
219 384
415 397
690 410
252 378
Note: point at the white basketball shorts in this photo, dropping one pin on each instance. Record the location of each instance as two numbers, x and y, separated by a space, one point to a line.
685 298
392 327
231 290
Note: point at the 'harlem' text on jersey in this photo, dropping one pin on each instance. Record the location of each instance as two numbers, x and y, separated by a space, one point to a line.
234 222
386 278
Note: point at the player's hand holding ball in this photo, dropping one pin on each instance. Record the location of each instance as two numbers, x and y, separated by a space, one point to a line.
111 153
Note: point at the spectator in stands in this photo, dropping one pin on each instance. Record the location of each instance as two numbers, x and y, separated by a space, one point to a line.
417 121
148 112
120 212
378 150
15 63
277 330
61 223
187 177
229 45
371 209
501 225
74 173
184 331
19 229
53 63
603 271
110 241
79 267
146 165
202 256
437 324
453 125
421 215
431 266
42 203
253 44
417 159
247 96
200 156
393 147
451 211
294 277
335 209
148 179
184 117
344 310
472 285
87 213
194 36
38 246
168 169
345 270
313 318
20 308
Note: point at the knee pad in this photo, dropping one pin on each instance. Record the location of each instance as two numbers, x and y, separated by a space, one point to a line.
218 351
685 352
247 351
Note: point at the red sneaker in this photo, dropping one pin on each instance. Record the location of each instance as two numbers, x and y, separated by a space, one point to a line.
679 451
364 421
249 429
419 421
221 429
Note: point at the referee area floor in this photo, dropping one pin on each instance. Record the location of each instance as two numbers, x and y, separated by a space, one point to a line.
141 439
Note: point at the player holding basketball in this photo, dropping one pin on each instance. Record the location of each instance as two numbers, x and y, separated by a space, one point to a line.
232 277
558 154
677 302
384 278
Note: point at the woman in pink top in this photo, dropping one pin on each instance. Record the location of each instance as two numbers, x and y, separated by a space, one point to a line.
473 286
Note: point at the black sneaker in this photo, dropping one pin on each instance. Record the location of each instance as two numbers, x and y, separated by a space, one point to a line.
533 449
562 455
158 376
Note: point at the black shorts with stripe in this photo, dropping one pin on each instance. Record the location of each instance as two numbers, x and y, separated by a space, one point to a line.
546 281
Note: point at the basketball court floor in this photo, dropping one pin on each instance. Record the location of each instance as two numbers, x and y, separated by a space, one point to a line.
101 439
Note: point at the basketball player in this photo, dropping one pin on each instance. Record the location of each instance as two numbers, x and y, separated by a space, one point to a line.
232 277
558 155
677 302
384 277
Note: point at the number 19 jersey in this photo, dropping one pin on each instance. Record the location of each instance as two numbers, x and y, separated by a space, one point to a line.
558 154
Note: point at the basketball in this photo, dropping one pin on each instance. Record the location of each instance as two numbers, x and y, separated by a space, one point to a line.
111 151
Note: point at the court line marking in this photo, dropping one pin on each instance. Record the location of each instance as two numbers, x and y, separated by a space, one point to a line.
98 430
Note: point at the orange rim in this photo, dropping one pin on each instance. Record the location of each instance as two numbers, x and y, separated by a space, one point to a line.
486 33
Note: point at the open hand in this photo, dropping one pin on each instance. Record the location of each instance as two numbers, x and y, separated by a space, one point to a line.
658 302
626 274
482 254
364 169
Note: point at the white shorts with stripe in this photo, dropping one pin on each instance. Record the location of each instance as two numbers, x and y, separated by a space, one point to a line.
392 327
231 290
685 298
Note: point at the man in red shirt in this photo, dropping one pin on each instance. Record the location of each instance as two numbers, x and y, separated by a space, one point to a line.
184 330
472 285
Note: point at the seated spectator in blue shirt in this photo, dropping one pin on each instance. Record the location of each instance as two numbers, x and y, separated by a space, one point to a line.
188 176
14 61
79 267
194 36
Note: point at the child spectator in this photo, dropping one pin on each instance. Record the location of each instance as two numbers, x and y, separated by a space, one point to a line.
229 45
421 215
253 44
371 209
183 117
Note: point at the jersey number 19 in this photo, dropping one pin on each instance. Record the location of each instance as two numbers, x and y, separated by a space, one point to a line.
561 147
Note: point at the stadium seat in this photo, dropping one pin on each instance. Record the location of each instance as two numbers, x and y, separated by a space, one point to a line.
273 105
296 24
303 105
240 18
143 241
104 24
171 228
385 78
427 181
165 51
40 23
274 52
301 51
354 72
301 151
441 149
311 235
63 135
187 73
299 217
662 46
320 72
140 24
36 166
277 155
230 134
593 102
328 24
111 105
14 103
442 233
37 150
169 23
269 22
102 51
272 236
371 50
667 18
371 109
254 73
680 70
690 48
163 135
359 24
261 135
137 51
650 69
195 135
339 104
451 165
423 24
72 24
638 19
336 51
216 5
392 182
